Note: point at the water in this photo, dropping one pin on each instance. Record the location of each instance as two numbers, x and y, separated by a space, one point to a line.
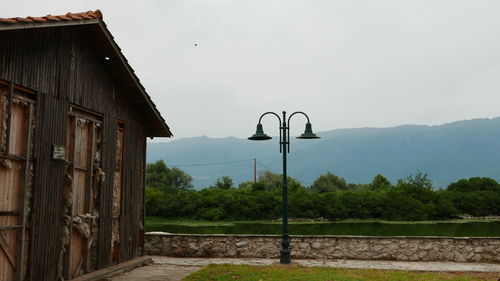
469 229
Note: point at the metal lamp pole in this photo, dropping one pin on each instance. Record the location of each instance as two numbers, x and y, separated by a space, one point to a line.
285 239
284 130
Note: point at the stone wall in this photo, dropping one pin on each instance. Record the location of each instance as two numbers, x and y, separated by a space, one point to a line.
326 247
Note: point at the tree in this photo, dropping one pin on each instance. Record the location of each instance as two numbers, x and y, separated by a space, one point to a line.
333 206
328 183
224 182
380 182
445 208
153 199
476 196
474 184
420 180
418 187
179 179
159 176
271 181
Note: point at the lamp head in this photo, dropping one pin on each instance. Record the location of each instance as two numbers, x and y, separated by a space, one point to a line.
259 134
308 133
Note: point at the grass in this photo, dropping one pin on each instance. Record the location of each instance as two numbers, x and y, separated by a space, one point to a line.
150 221
153 221
295 273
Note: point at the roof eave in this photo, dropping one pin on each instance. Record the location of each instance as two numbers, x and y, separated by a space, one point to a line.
166 129
48 24
165 132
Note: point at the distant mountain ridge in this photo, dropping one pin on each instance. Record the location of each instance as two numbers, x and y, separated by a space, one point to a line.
445 152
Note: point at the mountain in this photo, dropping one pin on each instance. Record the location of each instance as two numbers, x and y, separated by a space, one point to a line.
446 153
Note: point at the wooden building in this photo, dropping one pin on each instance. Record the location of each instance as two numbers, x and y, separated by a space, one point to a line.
73 125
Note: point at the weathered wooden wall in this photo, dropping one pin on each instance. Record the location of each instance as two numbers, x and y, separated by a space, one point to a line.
64 66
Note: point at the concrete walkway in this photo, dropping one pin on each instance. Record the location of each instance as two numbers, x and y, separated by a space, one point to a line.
170 269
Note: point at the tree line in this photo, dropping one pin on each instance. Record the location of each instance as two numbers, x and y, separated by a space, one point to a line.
170 194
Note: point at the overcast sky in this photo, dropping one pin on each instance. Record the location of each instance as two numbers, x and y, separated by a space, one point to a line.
350 63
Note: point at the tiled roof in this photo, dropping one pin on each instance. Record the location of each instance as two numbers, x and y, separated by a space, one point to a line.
94 19
89 15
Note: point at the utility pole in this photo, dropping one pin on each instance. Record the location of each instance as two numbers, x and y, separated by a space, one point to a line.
254 170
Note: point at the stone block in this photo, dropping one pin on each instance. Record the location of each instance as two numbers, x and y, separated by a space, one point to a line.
241 244
316 245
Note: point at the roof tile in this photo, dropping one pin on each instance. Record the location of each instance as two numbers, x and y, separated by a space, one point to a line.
23 20
89 15
52 18
64 18
37 19
8 21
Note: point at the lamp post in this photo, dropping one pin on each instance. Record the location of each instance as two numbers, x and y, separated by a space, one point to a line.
284 129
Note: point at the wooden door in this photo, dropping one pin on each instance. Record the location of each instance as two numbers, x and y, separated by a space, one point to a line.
83 150
16 169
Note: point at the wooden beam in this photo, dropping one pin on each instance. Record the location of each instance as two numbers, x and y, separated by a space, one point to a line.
8 213
10 227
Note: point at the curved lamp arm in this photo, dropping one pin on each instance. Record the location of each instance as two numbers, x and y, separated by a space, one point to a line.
270 112
279 122
296 113
288 129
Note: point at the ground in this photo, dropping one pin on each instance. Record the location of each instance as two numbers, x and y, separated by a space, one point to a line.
170 268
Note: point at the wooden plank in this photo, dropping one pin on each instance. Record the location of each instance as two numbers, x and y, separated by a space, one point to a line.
85 113
79 184
13 157
125 208
18 128
109 132
70 140
114 270
7 251
89 197
77 258
3 102
82 143
143 173
46 230
69 251
117 194
10 181
21 238
9 114
89 166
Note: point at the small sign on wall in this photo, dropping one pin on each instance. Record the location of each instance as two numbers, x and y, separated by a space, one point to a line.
58 152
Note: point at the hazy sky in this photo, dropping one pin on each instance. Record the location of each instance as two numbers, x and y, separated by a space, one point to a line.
348 63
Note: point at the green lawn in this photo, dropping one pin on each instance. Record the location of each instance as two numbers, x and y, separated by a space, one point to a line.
154 221
296 273
150 221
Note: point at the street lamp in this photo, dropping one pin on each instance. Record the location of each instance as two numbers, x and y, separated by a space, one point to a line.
284 148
